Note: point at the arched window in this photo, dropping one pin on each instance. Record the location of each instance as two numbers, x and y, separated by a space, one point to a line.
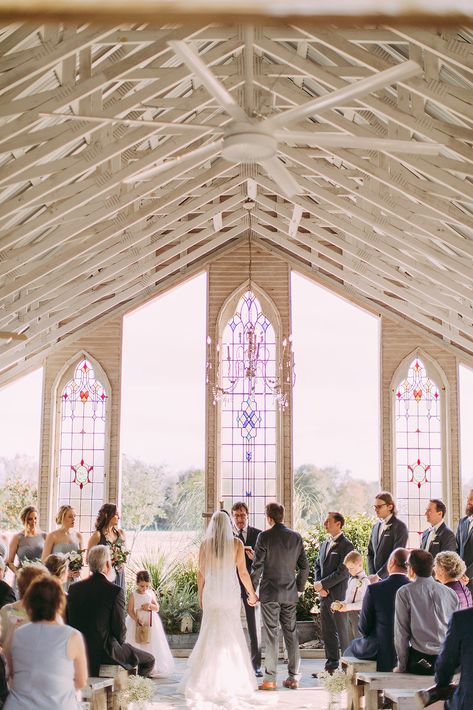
82 430
418 446
248 416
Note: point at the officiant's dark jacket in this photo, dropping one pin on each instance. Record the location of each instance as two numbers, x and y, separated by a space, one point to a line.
377 623
465 547
279 553
329 568
444 540
251 537
96 607
395 535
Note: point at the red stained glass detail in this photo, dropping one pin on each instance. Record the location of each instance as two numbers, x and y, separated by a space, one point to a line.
84 396
417 394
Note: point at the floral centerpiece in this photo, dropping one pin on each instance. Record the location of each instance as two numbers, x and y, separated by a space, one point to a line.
74 560
138 692
118 553
336 683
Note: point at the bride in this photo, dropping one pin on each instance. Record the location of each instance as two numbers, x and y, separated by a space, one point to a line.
220 673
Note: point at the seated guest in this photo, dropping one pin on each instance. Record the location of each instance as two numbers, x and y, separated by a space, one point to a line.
449 569
96 607
57 566
46 658
422 612
7 595
377 616
437 537
456 652
15 614
357 585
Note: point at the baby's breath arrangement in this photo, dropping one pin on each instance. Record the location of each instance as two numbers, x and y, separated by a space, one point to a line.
334 683
75 561
139 690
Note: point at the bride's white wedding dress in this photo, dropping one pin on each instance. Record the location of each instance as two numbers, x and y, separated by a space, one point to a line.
220 674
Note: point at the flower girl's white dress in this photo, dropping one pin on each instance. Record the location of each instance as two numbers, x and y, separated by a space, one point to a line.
158 646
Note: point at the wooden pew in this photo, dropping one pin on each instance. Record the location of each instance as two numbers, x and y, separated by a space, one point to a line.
406 699
120 682
352 666
369 685
99 693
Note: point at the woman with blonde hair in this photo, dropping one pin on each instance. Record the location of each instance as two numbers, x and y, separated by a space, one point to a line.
28 544
64 540
449 568
57 566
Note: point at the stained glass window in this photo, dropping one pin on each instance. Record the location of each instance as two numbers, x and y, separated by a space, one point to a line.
418 447
82 444
248 416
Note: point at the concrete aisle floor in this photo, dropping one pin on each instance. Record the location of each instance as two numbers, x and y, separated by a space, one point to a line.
309 695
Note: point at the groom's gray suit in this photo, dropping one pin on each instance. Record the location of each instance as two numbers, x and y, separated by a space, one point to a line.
279 553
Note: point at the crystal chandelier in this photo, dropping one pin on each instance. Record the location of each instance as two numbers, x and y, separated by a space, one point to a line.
249 363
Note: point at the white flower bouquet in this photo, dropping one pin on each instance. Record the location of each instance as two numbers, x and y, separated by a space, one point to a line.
139 690
74 560
335 682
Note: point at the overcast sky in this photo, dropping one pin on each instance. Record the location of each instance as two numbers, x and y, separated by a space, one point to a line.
336 405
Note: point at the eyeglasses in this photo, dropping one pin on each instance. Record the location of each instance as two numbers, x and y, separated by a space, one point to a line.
378 507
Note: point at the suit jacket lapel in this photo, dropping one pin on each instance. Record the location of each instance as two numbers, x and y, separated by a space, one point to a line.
376 533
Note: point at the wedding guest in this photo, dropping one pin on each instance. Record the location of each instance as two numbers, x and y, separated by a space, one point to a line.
64 540
377 616
465 540
7 595
438 537
331 581
107 533
15 614
422 613
358 583
58 567
48 681
96 607
279 554
248 535
387 534
143 610
27 544
449 569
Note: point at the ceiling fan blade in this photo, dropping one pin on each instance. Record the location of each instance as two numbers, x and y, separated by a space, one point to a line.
203 152
403 71
7 335
343 140
215 88
281 175
176 127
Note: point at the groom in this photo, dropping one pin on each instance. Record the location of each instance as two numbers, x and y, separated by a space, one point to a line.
279 553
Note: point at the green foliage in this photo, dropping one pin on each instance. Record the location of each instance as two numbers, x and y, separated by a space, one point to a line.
15 494
189 501
357 528
142 493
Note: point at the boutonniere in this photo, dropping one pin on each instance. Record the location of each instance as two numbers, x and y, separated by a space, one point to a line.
434 537
359 583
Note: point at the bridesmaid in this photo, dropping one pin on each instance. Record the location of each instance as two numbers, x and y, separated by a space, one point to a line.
63 540
27 544
107 533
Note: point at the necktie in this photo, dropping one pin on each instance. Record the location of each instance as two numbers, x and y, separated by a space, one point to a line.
356 589
380 531
241 536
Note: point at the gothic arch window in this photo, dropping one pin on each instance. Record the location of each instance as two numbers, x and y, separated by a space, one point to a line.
249 420
419 442
83 399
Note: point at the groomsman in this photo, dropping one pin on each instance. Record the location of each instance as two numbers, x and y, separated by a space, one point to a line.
248 536
387 534
438 537
465 539
331 581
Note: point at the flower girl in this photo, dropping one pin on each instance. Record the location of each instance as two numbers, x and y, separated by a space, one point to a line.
144 628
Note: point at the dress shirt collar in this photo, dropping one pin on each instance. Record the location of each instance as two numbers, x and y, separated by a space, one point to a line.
387 520
334 539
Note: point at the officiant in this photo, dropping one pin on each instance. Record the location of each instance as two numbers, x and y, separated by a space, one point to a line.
248 535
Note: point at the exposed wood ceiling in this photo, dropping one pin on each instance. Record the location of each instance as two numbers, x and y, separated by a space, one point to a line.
78 240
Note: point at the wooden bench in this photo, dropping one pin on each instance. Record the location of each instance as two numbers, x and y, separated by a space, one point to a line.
352 666
99 693
120 682
369 685
405 699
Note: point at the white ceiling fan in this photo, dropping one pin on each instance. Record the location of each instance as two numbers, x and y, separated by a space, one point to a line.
249 140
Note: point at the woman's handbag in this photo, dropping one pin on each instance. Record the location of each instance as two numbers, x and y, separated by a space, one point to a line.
143 632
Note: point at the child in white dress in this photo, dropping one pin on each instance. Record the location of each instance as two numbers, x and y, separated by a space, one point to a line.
143 610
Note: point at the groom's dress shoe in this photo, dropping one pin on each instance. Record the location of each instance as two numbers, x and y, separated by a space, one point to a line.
259 673
267 685
291 683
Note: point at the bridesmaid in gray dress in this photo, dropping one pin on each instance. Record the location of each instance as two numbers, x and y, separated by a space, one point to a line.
47 659
107 533
64 540
28 544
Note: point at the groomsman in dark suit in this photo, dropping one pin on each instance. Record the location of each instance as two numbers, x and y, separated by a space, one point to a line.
438 537
387 534
465 539
248 536
331 581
